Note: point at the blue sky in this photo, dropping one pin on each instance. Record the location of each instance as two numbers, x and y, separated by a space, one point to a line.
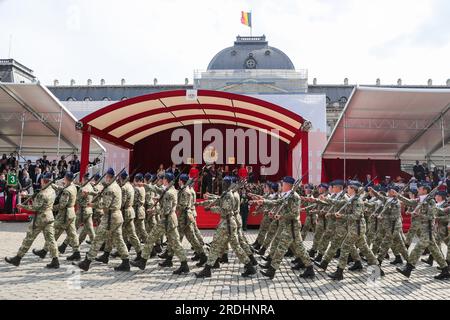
141 40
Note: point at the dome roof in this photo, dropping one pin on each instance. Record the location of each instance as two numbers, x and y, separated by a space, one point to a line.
250 53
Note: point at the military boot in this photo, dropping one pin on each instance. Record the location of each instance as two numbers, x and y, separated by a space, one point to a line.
40 253
54 264
83 265
74 257
124 266
202 259
289 253
406 271
338 275
256 245
312 253
308 273
62 248
322 265
158 248
138 256
167 263
269 273
216 264
104 258
249 270
319 258
164 255
356 266
440 269
428 261
299 265
128 247
262 251
444 274
224 258
153 253
15 261
296 260
266 258
196 257
398 260
205 273
115 254
102 247
183 269
349 259
338 254
141 263
380 262
253 260
267 264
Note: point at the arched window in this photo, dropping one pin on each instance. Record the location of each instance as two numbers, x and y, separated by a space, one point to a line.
106 99
87 99
124 98
70 99
343 100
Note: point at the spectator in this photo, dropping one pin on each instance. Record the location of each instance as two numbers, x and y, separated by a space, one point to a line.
26 183
243 173
419 171
37 179
2 192
161 170
74 164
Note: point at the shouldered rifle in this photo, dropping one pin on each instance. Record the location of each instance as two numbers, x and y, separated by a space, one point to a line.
60 192
35 194
296 185
100 180
357 195
165 190
110 183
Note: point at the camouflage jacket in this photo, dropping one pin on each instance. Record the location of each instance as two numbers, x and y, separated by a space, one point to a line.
425 210
290 206
168 207
43 205
127 201
67 200
84 200
139 202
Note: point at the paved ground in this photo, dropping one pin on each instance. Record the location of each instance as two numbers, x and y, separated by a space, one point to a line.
32 281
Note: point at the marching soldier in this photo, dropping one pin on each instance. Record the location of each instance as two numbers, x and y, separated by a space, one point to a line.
321 223
139 208
266 220
97 206
42 222
311 217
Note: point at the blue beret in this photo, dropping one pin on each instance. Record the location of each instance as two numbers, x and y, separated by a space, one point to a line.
148 176
69 175
323 185
289 180
184 177
168 176
124 174
274 186
160 176
139 177
393 187
337 183
354 184
443 194
47 176
228 179
309 187
110 172
425 185
414 191
97 176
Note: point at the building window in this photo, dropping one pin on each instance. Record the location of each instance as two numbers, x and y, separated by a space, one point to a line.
88 99
70 99
124 98
106 99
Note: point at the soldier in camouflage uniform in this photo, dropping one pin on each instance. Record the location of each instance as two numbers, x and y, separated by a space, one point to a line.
311 216
139 207
266 220
288 212
372 209
425 212
168 226
321 224
96 208
65 220
226 232
150 209
110 225
352 213
414 227
42 222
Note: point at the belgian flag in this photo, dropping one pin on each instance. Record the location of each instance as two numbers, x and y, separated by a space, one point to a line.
246 18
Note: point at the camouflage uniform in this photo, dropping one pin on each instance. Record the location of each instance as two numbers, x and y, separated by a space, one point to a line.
150 218
442 219
321 224
43 222
167 225
139 209
427 239
414 229
197 232
265 223
372 209
65 220
310 221
97 211
330 226
111 222
274 224
237 216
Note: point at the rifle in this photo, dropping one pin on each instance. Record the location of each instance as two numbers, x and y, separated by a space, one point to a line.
99 180
358 194
58 196
290 195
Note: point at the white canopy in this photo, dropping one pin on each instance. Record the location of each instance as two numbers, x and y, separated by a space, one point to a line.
33 122
393 123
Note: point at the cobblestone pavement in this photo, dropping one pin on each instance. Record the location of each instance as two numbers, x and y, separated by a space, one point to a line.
32 281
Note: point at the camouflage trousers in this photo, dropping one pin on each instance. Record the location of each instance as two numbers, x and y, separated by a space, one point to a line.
103 234
49 235
379 236
355 239
393 240
129 236
186 228
426 242
173 239
273 228
309 225
289 236
413 231
226 233
97 217
69 227
85 226
337 241
243 242
263 228
150 223
442 236
319 231
372 230
327 236
139 225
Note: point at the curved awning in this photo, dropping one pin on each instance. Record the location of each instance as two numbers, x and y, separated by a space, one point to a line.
127 122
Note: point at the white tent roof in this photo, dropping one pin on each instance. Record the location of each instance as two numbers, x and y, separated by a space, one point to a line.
392 123
41 112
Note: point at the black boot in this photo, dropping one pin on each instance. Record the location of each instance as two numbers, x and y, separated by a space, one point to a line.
406 271
266 258
15 261
249 270
75 256
202 260
114 254
256 245
128 247
443 275
296 260
54 264
196 257
62 248
380 262
124 266
167 263
153 253
319 258
356 266
224 258
338 275
84 265
338 254
138 256
205 273
253 260
164 255
428 261
269 273
267 264
309 273
398 260
426 252
299 265
141 263
102 248
216 264
323 265
312 253
289 253
158 248
104 258
349 259
40 253
183 269
440 269
262 251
